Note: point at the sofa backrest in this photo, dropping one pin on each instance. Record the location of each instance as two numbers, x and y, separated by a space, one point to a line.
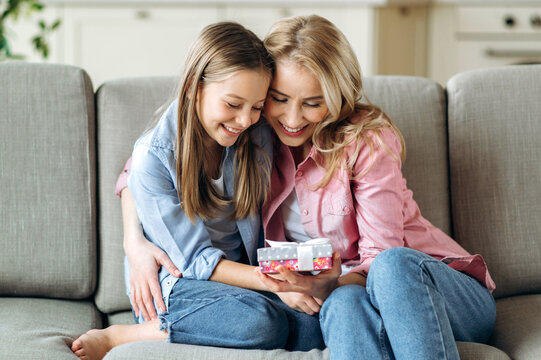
125 108
495 162
47 181
417 106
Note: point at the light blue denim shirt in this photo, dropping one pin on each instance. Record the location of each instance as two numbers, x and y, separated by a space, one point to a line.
152 181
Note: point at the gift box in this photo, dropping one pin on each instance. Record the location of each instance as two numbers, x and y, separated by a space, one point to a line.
313 255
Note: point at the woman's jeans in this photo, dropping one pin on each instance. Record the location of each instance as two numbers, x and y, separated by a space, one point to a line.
413 307
215 314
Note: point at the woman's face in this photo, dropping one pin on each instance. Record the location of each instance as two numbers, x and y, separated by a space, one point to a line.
229 107
295 104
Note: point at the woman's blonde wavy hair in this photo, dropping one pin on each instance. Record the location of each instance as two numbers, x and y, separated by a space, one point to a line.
317 44
221 50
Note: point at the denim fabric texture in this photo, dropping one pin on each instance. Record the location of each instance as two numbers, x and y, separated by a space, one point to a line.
215 314
414 307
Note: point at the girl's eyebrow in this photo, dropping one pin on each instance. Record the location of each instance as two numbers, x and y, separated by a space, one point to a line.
241 98
317 97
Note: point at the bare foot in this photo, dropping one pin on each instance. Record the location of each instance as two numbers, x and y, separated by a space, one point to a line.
95 344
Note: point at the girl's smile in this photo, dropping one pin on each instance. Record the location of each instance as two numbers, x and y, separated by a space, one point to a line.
227 108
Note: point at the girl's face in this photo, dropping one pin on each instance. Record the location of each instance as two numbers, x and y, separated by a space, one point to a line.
227 108
295 104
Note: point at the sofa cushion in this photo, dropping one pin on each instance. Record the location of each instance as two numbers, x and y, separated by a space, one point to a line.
150 350
43 328
121 318
47 187
417 107
518 327
495 152
125 110
157 350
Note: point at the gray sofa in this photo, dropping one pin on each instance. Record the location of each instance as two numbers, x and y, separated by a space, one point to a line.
474 164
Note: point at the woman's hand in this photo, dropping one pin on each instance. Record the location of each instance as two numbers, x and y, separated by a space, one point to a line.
316 286
301 302
145 260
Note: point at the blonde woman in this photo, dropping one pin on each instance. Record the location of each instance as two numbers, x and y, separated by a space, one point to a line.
408 290
198 179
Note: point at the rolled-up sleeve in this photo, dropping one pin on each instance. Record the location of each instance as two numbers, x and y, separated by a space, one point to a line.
164 222
122 181
378 197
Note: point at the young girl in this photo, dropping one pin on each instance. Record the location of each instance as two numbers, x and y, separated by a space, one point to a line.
198 179
411 291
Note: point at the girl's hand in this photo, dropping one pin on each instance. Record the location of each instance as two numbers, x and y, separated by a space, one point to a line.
316 286
301 302
145 260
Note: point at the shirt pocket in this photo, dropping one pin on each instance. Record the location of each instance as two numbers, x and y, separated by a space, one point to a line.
338 205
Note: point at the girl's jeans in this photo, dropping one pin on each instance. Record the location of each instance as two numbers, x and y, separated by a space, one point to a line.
413 307
215 314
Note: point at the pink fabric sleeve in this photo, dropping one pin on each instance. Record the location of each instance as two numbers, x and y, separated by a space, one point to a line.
378 198
122 181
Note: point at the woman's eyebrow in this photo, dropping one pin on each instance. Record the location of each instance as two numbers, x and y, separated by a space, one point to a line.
278 92
317 97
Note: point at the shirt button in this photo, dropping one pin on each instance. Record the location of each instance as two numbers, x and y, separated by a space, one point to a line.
305 212
168 282
300 173
346 209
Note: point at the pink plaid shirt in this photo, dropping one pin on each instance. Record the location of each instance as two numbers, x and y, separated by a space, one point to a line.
364 216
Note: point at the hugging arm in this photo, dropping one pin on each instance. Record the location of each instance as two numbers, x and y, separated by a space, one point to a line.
145 260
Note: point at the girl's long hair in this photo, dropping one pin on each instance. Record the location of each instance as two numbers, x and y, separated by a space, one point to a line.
221 50
316 43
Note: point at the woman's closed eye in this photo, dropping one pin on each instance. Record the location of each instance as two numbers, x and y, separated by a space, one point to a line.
312 105
279 99
233 106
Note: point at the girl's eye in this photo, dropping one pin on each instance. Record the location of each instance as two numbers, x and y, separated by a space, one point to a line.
233 106
312 105
280 100
257 108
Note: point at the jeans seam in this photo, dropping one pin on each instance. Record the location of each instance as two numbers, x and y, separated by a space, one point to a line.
423 276
381 339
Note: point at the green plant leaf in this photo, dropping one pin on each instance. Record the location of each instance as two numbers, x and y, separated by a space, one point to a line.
56 24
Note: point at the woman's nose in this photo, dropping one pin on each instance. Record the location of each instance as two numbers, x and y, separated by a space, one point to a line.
293 118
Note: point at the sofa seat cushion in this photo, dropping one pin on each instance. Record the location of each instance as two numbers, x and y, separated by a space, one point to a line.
158 350
476 351
518 327
43 328
121 318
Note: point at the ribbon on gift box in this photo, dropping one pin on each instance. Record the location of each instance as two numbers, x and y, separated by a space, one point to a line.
305 251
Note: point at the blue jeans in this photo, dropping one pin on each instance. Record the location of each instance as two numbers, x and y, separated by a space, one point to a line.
215 314
413 307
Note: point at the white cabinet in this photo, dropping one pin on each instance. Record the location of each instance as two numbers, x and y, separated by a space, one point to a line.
115 42
145 39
